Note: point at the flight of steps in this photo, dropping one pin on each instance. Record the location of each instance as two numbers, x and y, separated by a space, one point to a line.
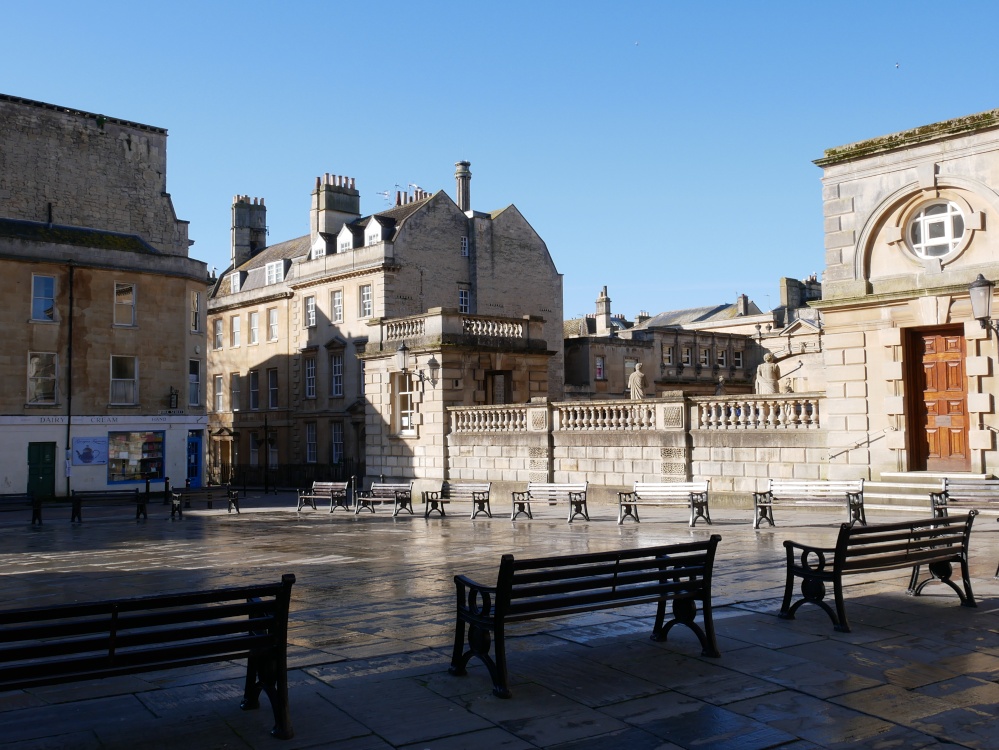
908 491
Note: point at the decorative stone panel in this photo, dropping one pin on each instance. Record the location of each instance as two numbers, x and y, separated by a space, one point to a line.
673 417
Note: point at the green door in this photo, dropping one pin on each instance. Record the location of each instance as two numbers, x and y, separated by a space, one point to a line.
41 469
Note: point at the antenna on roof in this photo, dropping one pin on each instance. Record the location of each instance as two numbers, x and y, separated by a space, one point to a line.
385 194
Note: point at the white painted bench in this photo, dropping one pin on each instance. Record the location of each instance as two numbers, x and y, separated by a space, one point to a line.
848 494
400 494
335 492
574 494
691 495
476 493
969 492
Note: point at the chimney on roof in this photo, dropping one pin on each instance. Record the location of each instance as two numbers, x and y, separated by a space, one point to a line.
642 316
249 229
464 179
335 202
603 327
742 305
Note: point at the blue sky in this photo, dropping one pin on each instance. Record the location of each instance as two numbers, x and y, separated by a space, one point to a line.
662 149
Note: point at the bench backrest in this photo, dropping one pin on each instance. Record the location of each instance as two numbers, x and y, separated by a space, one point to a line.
971 489
98 494
47 645
553 492
385 489
669 490
903 544
818 488
583 583
464 490
328 488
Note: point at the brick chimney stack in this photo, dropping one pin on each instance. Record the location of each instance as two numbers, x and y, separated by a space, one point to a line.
335 201
249 228
464 179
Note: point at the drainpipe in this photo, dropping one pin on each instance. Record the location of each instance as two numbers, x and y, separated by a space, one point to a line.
69 385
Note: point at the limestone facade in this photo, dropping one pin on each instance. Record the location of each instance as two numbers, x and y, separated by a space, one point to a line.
330 293
104 357
910 373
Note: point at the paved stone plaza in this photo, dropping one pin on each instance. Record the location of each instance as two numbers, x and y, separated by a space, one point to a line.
372 622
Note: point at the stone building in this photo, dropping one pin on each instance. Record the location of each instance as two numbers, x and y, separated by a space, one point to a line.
302 338
104 317
908 227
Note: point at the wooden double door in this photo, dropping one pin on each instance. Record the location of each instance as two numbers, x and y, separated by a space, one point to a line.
938 415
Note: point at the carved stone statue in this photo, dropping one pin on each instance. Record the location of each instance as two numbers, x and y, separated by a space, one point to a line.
637 382
720 386
788 387
768 375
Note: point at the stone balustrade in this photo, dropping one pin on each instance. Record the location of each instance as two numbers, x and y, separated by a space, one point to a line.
605 415
504 328
407 328
488 419
791 411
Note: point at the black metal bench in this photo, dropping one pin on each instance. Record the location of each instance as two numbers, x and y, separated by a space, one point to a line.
938 543
400 494
75 642
77 497
476 493
556 586
848 494
21 499
691 495
181 497
335 492
574 494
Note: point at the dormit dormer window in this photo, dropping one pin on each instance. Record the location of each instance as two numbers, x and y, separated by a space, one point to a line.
234 283
274 272
344 240
373 234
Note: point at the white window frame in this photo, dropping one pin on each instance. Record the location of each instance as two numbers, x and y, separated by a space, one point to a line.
124 312
705 359
310 312
121 393
254 377
234 283
194 382
274 272
668 355
273 392
344 245
254 327
925 224
310 377
48 313
38 373
721 358
219 338
235 392
219 393
336 374
464 247
373 236
234 331
365 301
336 441
687 356
737 358
195 312
272 324
463 301
336 305
406 401
311 448
599 373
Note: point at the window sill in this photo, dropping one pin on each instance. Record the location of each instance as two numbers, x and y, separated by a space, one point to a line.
54 405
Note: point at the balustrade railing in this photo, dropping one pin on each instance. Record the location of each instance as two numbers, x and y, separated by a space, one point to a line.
506 329
489 419
777 412
605 415
405 329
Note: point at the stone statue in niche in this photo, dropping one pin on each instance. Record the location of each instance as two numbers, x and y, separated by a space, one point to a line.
767 375
720 386
637 382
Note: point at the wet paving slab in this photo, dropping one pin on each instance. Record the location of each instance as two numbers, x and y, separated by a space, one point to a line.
372 625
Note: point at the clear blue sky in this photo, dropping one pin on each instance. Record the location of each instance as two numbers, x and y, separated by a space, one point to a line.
663 149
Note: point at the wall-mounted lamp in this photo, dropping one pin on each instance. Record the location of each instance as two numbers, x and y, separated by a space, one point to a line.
174 394
402 364
980 292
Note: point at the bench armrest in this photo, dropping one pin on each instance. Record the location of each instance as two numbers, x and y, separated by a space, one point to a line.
626 496
480 496
939 498
763 497
429 495
520 497
364 493
474 600
809 558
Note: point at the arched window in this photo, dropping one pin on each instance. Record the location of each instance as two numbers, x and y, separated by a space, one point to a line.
936 230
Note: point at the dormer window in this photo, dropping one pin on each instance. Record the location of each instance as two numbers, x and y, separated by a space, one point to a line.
373 236
234 283
344 245
319 249
274 272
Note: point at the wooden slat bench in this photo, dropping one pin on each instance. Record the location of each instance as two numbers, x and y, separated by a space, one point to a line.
181 497
475 493
690 495
847 494
938 543
24 499
335 492
78 642
77 497
400 494
574 494
556 586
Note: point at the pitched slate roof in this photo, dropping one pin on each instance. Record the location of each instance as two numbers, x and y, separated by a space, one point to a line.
726 311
